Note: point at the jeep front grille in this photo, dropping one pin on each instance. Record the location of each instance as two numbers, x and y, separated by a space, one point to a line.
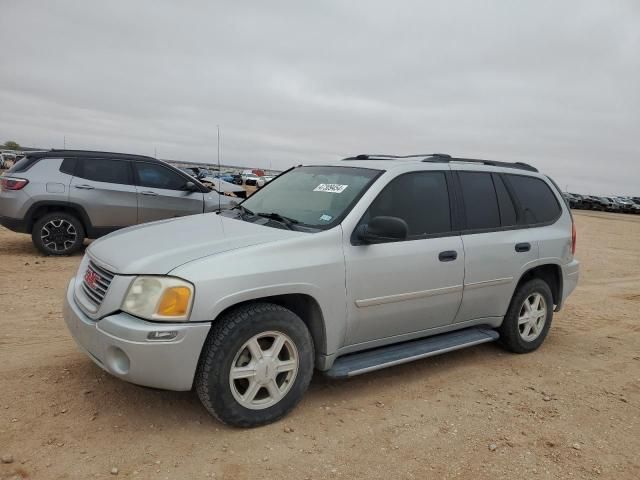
95 283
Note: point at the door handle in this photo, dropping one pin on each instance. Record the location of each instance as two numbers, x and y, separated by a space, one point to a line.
448 256
84 187
523 247
150 193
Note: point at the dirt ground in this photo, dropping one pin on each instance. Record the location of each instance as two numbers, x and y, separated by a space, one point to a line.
569 410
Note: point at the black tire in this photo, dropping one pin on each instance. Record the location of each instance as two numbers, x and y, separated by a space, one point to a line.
226 338
510 336
64 243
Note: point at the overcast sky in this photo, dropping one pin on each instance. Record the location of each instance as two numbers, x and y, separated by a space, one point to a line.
556 84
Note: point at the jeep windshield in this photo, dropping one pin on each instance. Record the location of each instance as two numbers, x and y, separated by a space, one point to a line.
308 198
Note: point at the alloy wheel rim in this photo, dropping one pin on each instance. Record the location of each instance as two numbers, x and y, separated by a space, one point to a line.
58 235
532 317
263 370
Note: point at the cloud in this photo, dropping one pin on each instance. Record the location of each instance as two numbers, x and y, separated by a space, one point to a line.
550 83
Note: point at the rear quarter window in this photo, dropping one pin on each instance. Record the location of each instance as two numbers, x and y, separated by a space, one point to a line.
537 201
68 166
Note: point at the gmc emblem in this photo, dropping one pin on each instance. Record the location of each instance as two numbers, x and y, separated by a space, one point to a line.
91 279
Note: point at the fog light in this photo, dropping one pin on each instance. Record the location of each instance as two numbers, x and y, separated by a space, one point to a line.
162 336
117 361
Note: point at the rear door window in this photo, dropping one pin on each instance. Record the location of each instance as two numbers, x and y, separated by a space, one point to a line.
480 200
537 201
105 170
508 216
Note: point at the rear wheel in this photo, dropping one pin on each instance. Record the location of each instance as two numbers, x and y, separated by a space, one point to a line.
255 365
58 233
527 322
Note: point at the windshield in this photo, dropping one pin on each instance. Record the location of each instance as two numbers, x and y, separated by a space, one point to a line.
317 197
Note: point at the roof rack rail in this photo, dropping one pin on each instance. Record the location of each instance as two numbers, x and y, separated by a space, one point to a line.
382 156
493 163
445 158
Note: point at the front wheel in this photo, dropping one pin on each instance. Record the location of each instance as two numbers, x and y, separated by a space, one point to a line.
527 322
255 365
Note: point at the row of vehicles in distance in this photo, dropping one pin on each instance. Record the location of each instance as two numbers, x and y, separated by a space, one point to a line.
252 177
603 204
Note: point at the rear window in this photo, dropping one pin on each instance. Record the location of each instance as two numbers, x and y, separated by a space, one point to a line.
24 164
480 200
537 201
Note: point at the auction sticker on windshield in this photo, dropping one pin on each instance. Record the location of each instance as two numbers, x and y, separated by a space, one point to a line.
330 188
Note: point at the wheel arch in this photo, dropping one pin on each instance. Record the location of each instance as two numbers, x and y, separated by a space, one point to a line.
39 209
551 273
303 305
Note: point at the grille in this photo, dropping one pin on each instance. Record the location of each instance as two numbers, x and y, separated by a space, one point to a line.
95 283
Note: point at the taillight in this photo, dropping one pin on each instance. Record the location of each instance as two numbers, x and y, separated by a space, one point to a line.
9 183
573 237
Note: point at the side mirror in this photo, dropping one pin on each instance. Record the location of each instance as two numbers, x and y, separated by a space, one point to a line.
383 229
191 187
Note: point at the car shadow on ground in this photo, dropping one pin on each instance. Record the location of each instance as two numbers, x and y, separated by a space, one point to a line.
107 397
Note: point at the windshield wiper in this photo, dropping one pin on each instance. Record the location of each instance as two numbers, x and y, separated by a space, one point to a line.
286 221
243 210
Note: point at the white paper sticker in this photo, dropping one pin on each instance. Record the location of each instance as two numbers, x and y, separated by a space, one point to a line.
330 188
326 218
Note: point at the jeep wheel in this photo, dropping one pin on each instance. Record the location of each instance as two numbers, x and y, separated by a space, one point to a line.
58 233
527 322
255 365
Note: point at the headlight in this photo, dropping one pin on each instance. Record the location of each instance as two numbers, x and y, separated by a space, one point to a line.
165 299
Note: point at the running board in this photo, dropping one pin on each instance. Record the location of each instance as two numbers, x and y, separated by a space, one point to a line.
390 355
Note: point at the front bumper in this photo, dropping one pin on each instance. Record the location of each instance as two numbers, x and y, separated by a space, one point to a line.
119 344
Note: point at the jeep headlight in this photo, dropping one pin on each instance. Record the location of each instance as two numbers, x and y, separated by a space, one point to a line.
164 299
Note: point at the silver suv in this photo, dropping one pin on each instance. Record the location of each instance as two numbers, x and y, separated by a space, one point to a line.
62 197
346 268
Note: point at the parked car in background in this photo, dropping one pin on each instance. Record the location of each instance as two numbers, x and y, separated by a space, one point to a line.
573 199
7 159
242 306
254 171
232 177
214 182
579 199
625 205
607 204
591 202
61 197
253 180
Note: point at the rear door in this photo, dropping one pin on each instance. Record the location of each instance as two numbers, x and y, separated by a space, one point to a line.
496 244
162 193
104 188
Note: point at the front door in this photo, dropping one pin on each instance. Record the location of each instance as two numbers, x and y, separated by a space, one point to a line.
162 193
401 288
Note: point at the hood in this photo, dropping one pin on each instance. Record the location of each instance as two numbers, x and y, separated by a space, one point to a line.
159 247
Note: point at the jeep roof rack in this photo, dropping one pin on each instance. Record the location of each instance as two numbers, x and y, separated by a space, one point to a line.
445 158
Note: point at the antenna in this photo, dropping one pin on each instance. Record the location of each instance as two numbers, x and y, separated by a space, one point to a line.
219 182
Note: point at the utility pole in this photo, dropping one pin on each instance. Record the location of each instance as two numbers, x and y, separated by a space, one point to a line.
155 152
64 142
